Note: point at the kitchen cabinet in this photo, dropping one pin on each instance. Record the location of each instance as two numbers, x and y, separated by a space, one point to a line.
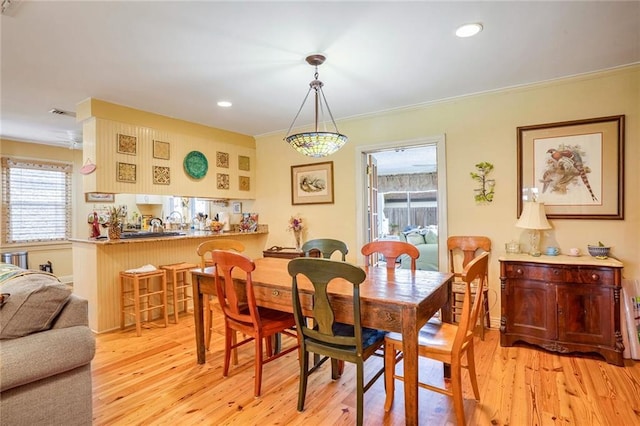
563 304
149 199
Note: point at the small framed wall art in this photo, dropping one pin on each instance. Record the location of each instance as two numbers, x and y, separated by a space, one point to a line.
222 181
312 183
245 183
161 175
127 144
236 207
125 172
222 159
161 150
244 163
99 197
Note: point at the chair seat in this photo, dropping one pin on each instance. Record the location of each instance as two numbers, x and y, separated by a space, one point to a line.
437 336
370 336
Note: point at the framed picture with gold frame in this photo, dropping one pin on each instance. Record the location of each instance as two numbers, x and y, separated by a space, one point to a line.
312 183
576 168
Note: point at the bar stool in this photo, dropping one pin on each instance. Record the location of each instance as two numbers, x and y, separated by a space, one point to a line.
179 284
142 297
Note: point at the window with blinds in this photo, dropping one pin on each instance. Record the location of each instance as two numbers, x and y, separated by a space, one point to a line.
36 200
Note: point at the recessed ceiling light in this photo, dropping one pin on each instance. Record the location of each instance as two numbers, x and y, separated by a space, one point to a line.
224 104
468 30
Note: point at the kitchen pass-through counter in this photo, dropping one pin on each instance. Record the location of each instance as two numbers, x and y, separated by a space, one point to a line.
97 263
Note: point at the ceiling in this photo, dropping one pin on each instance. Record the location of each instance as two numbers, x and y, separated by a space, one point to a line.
178 58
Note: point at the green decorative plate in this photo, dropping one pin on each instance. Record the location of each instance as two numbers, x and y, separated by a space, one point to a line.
196 165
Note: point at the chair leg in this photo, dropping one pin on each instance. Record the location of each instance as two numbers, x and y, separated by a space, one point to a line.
304 374
227 348
456 388
389 370
359 392
174 292
208 323
258 364
335 373
487 314
472 371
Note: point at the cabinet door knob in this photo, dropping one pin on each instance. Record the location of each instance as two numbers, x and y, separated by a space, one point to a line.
595 277
275 293
519 271
556 272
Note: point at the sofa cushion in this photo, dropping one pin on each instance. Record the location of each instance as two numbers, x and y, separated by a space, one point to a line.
430 237
35 301
415 238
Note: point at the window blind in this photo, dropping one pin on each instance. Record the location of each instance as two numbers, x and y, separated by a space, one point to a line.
36 200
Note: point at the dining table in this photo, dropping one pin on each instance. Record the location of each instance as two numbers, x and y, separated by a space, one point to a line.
398 300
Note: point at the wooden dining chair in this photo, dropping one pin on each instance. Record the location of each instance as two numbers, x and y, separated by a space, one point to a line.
444 342
391 250
204 251
326 247
259 324
345 342
467 247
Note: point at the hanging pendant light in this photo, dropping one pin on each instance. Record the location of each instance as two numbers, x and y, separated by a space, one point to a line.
316 143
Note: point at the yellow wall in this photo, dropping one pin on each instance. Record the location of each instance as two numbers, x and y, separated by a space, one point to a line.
477 128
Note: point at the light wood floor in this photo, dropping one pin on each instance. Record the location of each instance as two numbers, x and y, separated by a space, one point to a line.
155 380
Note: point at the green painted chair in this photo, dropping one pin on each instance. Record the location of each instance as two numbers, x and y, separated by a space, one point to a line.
339 341
326 247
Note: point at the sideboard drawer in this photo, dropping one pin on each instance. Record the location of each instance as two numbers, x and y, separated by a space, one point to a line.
548 273
590 276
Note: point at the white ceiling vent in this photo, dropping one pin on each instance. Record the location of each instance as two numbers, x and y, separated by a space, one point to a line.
62 112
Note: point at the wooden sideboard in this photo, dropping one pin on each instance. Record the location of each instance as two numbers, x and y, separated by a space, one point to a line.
282 252
564 304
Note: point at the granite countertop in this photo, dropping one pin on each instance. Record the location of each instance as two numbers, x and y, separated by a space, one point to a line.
188 234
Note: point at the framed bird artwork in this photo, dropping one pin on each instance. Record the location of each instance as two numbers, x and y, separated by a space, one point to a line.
575 167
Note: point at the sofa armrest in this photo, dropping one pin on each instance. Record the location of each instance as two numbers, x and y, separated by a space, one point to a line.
75 312
45 354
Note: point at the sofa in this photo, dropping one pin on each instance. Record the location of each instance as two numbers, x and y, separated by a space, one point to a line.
426 240
46 348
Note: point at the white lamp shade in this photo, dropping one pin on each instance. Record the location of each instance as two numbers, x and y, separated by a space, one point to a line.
533 216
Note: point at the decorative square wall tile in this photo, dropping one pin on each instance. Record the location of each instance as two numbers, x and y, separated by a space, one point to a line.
127 144
244 163
245 183
222 159
222 181
161 150
161 175
126 172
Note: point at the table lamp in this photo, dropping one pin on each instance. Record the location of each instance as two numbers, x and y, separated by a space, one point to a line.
534 219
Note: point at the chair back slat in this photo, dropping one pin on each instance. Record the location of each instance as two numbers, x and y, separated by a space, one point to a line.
204 249
326 247
475 270
321 272
469 246
234 304
391 250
